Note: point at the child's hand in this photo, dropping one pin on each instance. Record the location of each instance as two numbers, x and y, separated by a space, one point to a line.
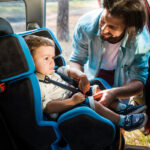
78 98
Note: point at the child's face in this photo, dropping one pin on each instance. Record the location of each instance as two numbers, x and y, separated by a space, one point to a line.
43 58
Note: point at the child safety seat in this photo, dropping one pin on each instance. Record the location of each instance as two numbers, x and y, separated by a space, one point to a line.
22 125
21 122
80 119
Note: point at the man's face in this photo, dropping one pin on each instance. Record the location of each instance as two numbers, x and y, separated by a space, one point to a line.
112 28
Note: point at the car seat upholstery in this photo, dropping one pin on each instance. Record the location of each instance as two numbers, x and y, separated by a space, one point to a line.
21 122
80 119
21 116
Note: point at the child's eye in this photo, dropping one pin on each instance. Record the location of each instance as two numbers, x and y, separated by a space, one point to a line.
46 58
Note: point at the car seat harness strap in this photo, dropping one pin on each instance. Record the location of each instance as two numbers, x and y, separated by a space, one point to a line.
48 80
73 83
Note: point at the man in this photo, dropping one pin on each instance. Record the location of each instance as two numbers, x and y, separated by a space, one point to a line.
113 43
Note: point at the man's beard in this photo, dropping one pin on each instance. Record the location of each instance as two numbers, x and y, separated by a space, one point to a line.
112 39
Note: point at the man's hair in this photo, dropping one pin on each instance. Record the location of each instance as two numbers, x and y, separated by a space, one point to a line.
35 42
133 12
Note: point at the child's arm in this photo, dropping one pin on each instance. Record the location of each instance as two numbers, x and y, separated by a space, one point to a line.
63 105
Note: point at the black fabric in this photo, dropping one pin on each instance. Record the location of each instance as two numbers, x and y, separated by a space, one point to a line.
87 133
59 61
12 59
119 142
147 89
97 82
7 141
17 108
147 97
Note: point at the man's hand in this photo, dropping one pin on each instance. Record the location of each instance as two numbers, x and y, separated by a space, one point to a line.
84 84
107 97
80 78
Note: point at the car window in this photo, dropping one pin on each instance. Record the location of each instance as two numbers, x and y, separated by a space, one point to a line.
14 12
76 9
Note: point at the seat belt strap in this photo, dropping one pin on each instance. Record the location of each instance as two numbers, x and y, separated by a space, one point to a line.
74 83
68 79
48 80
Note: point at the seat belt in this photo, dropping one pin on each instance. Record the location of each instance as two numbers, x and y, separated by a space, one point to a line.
73 83
48 80
68 79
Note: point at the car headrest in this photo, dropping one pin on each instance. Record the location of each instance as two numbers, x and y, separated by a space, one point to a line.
5 27
46 33
15 58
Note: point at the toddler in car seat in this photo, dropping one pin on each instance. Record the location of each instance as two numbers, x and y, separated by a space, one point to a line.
56 100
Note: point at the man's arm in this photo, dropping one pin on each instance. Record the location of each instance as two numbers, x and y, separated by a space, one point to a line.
76 66
134 87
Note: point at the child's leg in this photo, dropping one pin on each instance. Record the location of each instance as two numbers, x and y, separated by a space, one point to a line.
127 122
117 105
125 109
106 112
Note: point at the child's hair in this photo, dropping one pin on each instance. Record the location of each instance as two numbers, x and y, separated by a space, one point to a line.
35 42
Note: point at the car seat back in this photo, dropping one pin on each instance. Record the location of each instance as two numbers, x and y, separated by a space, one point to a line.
21 116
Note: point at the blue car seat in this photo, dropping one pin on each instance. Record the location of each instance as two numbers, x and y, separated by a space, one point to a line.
79 119
21 118
21 122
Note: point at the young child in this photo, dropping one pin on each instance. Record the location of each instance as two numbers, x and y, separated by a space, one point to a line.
56 100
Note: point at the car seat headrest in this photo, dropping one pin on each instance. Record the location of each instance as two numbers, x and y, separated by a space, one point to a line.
46 33
15 59
5 27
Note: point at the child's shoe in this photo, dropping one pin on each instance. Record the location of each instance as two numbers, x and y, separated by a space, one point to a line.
134 121
132 109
